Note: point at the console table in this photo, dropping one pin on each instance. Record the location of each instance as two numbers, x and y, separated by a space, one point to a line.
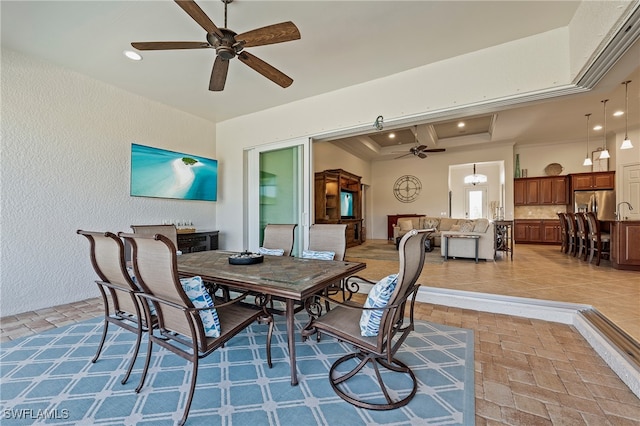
392 219
503 237
197 241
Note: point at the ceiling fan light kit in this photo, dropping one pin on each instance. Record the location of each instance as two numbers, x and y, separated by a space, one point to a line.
228 45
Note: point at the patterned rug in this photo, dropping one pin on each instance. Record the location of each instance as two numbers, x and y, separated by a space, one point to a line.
386 250
49 378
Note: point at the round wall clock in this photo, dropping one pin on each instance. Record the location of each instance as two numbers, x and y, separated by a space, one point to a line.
407 188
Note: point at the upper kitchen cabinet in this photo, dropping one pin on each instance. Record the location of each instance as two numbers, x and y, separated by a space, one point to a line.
596 180
552 190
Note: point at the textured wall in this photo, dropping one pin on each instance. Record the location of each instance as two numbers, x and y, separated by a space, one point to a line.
65 165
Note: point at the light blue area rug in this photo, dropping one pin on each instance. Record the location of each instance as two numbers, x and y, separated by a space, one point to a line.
49 378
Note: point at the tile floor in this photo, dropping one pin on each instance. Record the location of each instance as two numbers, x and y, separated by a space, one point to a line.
528 372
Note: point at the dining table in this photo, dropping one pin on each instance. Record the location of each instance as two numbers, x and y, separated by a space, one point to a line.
290 279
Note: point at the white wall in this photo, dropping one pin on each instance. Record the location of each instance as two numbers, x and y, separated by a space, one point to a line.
66 147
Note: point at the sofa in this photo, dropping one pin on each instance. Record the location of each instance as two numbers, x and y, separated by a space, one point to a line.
445 225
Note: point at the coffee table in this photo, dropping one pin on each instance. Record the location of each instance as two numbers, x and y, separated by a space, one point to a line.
447 237
429 243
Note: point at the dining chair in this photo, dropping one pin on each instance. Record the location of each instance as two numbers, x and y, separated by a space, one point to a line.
191 324
563 232
278 237
571 234
329 238
582 236
170 231
376 329
325 239
599 241
118 291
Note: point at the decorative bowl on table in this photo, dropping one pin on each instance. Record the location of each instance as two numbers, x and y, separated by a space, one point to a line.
245 258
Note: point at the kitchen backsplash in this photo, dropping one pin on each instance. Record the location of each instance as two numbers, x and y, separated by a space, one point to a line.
538 212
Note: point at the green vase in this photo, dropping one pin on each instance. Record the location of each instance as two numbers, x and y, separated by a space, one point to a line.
517 165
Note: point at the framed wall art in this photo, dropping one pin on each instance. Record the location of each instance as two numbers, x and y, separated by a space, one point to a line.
161 173
598 164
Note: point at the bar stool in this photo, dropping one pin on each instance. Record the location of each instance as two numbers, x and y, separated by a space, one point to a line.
582 236
563 233
571 234
600 241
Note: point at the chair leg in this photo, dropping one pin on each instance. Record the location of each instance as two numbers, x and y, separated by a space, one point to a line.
592 250
192 388
135 353
598 254
147 361
104 336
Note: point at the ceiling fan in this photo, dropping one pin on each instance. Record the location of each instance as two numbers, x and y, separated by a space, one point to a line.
229 45
419 150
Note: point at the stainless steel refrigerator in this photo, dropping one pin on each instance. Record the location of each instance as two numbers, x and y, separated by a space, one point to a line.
601 202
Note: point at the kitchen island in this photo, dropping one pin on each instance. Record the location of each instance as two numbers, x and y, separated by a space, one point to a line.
625 245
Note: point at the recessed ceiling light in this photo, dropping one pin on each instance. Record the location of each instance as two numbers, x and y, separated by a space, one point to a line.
461 124
598 127
618 113
392 135
134 56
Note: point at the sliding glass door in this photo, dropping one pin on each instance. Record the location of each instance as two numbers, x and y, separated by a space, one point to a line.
278 190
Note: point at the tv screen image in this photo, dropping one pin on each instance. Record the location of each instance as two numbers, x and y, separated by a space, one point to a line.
161 173
346 205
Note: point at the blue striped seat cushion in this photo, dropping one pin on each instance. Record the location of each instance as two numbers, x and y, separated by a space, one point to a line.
270 252
378 298
320 255
197 293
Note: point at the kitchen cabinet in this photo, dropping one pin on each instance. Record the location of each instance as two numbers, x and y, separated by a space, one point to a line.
538 231
554 190
596 180
551 190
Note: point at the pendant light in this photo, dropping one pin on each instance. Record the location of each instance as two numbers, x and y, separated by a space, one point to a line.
475 178
626 143
587 158
605 153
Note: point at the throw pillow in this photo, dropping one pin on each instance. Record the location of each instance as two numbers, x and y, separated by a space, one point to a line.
319 255
270 252
405 224
481 225
446 223
378 298
197 293
467 226
431 222
455 228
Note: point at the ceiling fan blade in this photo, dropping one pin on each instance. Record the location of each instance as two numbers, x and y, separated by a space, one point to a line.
276 33
434 150
218 74
421 147
402 156
422 155
265 69
168 45
199 16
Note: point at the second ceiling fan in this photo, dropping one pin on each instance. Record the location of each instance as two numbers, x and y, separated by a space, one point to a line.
419 150
229 45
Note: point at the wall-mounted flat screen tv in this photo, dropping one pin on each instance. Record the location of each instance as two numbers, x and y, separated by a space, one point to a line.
346 205
167 174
